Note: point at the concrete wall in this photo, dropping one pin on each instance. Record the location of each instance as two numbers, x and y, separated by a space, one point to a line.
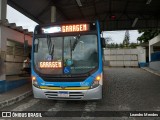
153 42
3 9
14 35
154 60
2 56
9 85
124 57
13 41
141 55
15 57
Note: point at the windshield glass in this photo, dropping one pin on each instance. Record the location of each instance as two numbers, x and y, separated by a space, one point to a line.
66 55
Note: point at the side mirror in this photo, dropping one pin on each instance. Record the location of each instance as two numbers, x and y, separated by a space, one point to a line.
103 43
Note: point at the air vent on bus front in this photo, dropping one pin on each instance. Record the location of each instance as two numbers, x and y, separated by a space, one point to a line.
72 95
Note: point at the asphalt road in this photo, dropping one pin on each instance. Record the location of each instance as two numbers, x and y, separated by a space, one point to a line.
125 89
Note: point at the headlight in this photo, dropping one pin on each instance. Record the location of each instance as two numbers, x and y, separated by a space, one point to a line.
96 82
34 81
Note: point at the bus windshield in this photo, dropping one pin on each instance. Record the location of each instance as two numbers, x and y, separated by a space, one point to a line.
66 54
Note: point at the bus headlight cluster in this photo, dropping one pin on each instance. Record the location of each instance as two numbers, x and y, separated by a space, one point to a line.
96 82
34 81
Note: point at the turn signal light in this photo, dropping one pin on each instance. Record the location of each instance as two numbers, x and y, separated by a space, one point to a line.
98 78
33 78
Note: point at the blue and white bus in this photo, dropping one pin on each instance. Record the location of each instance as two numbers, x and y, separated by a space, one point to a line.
67 61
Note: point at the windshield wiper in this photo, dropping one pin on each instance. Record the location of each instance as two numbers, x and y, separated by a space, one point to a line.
50 46
75 42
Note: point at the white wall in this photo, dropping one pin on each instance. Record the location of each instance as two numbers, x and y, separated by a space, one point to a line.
141 54
125 57
154 42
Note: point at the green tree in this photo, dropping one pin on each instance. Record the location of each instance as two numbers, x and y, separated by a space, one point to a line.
148 34
112 45
126 39
121 45
116 45
107 40
133 45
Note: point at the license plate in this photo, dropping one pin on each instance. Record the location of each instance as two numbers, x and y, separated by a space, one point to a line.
63 94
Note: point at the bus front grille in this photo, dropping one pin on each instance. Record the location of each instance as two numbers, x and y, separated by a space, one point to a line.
64 79
72 95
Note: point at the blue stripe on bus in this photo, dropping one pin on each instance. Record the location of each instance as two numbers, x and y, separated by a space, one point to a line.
99 46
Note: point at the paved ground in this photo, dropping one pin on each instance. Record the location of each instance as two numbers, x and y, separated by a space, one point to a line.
15 92
125 89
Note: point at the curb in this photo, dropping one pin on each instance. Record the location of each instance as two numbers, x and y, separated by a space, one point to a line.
15 99
150 71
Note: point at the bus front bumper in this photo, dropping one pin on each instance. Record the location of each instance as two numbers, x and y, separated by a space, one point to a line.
89 94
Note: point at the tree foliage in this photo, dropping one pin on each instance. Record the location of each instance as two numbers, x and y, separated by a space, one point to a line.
125 44
121 45
148 34
133 45
126 39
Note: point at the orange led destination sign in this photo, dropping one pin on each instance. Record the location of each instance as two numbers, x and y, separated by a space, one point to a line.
50 64
66 28
75 28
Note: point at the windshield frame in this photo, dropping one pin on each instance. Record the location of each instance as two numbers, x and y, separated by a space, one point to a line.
65 35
